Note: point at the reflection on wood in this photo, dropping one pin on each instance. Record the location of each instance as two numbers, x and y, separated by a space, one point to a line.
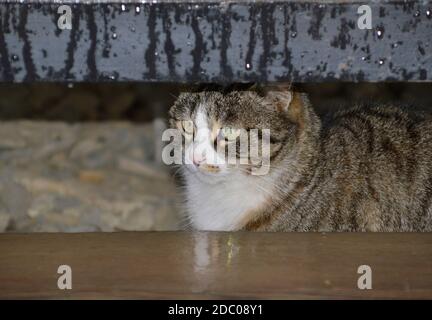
215 265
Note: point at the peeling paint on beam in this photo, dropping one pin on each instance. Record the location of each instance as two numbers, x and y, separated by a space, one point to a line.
216 42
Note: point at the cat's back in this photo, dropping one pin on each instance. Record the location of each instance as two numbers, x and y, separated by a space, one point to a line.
379 131
374 170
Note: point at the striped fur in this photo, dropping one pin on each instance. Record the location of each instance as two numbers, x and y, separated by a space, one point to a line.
363 169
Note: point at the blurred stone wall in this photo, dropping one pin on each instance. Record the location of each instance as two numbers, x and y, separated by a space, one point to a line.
81 177
83 158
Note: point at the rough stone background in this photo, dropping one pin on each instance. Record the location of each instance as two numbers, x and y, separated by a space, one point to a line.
83 177
85 157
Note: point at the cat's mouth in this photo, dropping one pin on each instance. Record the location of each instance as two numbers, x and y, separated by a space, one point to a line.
204 168
208 168
207 173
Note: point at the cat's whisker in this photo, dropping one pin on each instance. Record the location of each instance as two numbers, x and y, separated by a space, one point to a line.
177 171
268 181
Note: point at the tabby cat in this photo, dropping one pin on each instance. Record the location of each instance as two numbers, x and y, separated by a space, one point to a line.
366 168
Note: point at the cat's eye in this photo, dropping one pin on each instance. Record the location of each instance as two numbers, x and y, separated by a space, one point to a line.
229 134
187 128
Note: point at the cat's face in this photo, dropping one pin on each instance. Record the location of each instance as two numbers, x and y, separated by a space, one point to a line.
239 132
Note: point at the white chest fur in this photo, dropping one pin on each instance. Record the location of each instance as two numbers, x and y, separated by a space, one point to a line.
223 206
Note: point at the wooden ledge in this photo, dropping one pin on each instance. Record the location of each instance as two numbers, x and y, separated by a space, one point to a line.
215 265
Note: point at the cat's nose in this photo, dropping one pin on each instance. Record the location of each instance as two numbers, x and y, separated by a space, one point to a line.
198 159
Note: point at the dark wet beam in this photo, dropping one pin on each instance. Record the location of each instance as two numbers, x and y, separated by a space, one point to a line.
239 41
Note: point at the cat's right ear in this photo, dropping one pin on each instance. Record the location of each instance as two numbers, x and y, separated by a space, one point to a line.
278 98
295 105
